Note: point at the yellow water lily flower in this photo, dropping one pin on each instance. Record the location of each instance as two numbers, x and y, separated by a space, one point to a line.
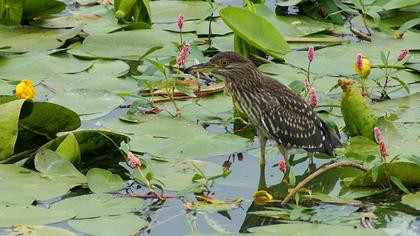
25 90
362 66
262 197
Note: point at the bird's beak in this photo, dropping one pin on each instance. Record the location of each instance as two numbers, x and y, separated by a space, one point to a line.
203 68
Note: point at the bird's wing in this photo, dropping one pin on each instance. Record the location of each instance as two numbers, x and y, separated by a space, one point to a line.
291 128
289 120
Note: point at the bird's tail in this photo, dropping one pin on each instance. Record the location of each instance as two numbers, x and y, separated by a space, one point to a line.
332 140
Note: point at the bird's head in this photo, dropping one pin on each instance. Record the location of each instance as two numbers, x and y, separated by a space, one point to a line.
230 65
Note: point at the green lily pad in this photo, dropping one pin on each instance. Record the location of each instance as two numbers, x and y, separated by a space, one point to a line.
29 215
9 126
407 172
36 8
362 149
99 19
156 126
22 186
218 27
181 172
259 32
168 11
51 165
38 128
94 205
213 109
37 67
103 181
69 149
94 143
192 147
34 39
406 108
114 68
110 225
94 82
6 88
126 45
412 199
23 230
89 104
101 76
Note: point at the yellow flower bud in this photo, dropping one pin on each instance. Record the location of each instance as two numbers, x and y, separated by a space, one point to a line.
365 69
25 90
262 197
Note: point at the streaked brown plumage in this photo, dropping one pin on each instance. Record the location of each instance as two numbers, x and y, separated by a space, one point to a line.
273 109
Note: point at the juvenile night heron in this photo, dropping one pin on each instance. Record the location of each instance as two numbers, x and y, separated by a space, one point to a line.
274 110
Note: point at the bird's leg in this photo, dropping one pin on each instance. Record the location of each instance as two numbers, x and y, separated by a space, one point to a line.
285 153
262 185
311 157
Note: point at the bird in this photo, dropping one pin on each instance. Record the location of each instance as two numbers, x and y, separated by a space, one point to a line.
275 111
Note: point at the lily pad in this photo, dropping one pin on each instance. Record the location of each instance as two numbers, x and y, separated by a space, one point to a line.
22 186
181 172
69 149
93 144
51 165
110 225
126 45
23 230
36 8
87 103
94 205
193 147
37 67
9 126
38 128
412 199
406 108
6 88
156 126
103 181
259 32
29 215
213 109
168 11
34 39
407 172
96 21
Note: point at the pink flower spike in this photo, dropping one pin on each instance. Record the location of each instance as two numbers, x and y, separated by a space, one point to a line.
383 149
313 98
378 134
133 161
403 54
311 53
180 21
183 54
282 166
359 60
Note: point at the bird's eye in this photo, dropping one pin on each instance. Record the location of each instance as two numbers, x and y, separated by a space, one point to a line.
223 63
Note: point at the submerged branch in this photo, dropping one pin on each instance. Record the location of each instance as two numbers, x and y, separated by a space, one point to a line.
360 34
18 156
318 172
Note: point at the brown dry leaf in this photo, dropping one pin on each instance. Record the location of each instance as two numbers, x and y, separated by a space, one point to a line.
199 92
